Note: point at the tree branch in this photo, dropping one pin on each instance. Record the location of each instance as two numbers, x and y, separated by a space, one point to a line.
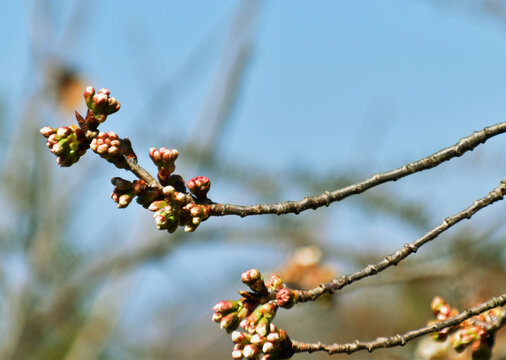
495 195
142 174
399 340
325 199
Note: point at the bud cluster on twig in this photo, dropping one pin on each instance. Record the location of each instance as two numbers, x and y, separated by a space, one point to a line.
110 147
254 314
168 197
68 143
477 332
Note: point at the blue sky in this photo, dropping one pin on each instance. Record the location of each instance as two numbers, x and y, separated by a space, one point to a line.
416 73
329 86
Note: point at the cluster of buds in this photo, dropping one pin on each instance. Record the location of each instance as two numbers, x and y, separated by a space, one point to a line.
164 159
178 209
230 313
112 148
125 191
100 103
173 206
68 143
273 346
254 314
285 297
443 311
474 332
199 186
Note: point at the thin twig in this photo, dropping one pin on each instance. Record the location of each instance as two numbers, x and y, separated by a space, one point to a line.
325 199
142 174
399 340
495 195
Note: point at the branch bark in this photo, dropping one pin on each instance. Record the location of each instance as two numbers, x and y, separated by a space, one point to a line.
399 340
338 283
465 144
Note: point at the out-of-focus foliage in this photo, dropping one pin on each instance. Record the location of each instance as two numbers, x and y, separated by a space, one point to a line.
72 270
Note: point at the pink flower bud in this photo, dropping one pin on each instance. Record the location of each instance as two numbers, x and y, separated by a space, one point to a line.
250 276
262 326
229 322
46 131
124 200
226 306
250 352
100 103
104 91
157 205
199 186
286 298
253 278
239 337
237 353
57 149
273 337
168 190
217 317
63 131
268 347
275 283
257 339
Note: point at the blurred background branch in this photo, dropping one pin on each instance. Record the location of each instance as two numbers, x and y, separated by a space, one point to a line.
231 85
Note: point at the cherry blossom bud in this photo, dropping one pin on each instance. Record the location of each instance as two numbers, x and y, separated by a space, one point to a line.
227 306
199 186
286 298
230 322
275 283
238 337
100 103
257 339
466 336
255 281
250 352
237 351
168 190
68 143
164 159
157 205
112 148
268 347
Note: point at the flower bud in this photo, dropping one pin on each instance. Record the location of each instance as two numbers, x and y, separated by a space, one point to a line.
257 339
68 143
227 306
268 347
275 283
238 337
230 322
168 190
112 148
250 352
164 159
273 337
157 205
100 103
255 281
199 186
464 337
286 298
237 351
